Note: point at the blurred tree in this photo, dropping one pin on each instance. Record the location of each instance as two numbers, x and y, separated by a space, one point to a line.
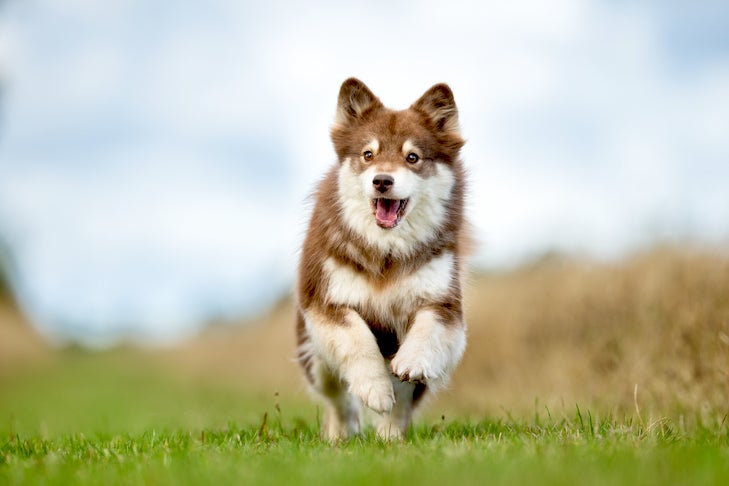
6 291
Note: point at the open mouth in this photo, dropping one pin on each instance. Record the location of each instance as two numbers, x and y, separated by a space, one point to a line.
388 212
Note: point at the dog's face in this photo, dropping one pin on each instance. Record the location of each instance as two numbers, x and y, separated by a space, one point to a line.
395 163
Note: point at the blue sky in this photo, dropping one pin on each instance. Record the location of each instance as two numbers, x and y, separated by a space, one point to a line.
155 158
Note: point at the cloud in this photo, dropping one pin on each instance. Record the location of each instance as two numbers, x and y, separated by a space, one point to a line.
156 162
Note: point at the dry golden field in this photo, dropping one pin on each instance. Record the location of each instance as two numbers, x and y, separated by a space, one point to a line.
567 332
20 345
553 335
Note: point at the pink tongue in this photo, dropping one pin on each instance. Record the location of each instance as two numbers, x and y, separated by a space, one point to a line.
386 213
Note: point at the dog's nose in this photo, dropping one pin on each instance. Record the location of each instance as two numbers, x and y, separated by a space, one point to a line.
383 182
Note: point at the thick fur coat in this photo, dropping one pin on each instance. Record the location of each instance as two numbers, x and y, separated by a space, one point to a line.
379 304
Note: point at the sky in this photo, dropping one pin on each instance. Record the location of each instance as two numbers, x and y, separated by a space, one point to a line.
156 158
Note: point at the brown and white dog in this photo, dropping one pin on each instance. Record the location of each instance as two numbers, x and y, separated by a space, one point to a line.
380 314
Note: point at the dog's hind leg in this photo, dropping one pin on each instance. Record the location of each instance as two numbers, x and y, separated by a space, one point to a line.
342 410
394 425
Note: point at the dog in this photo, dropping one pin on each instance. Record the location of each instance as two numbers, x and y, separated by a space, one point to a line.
379 311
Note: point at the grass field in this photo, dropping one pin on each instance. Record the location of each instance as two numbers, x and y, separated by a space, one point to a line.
576 373
101 420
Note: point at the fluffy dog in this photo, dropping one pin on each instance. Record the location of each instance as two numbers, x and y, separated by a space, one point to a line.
379 305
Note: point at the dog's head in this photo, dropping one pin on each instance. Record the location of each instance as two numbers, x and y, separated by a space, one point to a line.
396 164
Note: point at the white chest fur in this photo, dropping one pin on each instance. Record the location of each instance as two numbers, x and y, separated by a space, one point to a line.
396 300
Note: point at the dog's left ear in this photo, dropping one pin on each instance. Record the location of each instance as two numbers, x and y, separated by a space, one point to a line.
439 106
356 102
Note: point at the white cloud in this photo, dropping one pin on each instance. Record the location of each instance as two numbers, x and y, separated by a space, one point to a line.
155 160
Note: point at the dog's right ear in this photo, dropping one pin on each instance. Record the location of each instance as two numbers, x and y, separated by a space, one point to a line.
356 102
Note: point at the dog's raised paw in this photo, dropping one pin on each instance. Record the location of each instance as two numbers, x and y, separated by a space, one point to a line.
411 368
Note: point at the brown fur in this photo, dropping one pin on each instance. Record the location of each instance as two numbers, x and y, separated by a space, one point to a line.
431 124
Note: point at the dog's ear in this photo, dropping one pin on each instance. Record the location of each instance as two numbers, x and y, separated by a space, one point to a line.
356 102
439 106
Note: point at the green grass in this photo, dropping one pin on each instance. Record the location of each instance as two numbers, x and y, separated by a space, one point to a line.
111 419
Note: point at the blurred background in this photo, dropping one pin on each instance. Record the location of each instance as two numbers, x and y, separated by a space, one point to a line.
156 158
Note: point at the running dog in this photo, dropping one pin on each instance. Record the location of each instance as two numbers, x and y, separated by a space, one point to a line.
379 304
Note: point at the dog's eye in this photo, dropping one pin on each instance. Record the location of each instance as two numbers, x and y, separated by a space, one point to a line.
412 158
368 155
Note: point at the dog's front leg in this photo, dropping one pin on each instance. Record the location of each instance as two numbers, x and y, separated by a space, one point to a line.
345 343
432 348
